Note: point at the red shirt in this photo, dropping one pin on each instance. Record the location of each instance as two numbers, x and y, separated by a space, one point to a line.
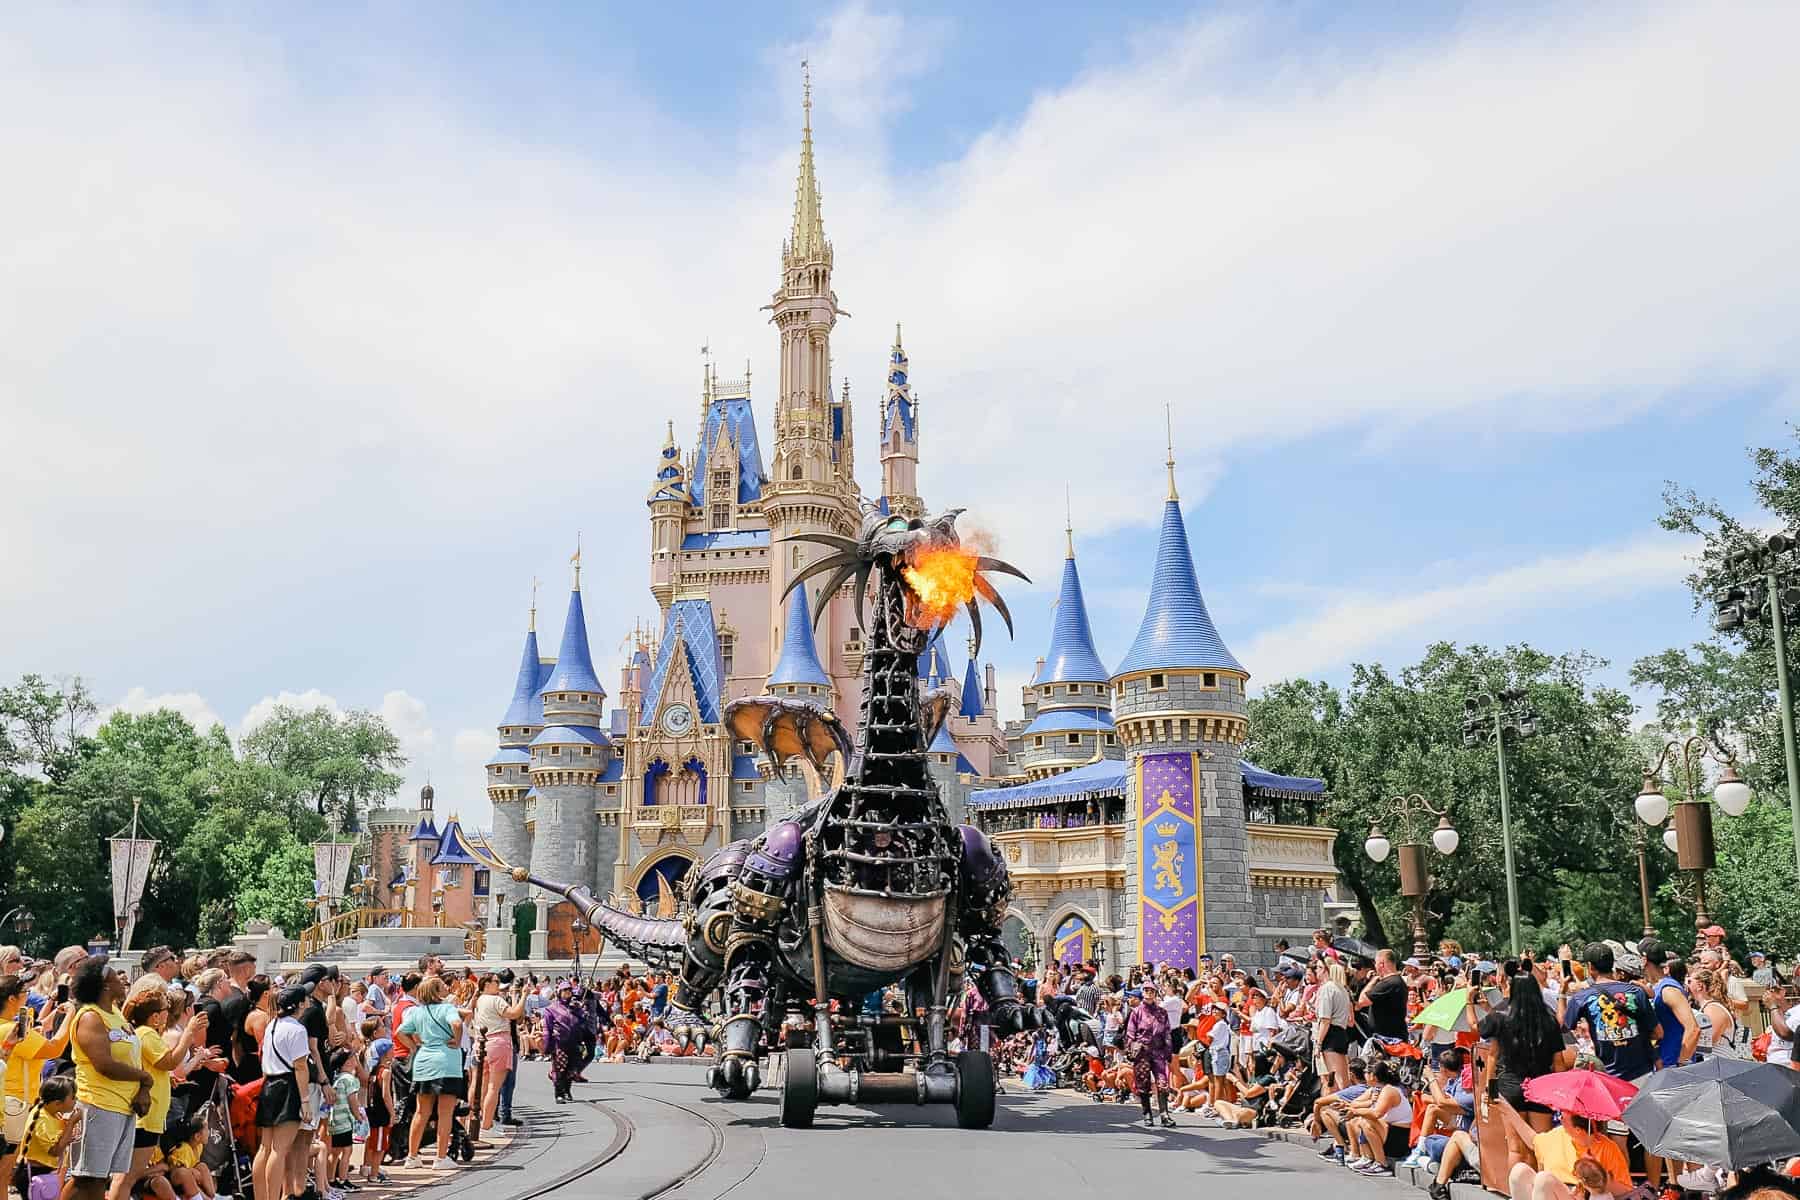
397 1014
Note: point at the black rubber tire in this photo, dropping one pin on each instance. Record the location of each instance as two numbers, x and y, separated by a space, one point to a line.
799 1089
974 1090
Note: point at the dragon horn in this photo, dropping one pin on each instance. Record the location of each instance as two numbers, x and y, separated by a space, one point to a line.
811 569
831 586
975 627
985 563
862 597
826 539
992 597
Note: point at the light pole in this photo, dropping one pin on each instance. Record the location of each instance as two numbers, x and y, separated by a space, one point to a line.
1693 816
1415 873
1774 561
1511 714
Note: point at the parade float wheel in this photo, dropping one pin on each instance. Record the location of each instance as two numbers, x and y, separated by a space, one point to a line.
799 1089
974 1090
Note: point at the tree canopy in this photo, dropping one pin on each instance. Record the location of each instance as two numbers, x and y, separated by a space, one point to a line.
235 823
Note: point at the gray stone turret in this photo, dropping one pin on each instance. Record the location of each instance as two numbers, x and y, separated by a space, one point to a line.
1178 704
568 756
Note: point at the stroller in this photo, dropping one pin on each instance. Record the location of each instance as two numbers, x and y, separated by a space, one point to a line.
462 1147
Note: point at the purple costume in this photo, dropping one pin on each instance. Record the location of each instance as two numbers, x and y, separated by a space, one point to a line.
1147 1039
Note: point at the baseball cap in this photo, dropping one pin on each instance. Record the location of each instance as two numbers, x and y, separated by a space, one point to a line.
1757 954
1412 962
1713 931
1654 951
315 972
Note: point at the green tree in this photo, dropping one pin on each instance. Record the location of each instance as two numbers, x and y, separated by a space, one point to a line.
1727 684
1387 736
344 764
278 883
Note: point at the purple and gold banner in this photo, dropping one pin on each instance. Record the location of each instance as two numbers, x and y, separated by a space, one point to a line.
1171 910
1073 942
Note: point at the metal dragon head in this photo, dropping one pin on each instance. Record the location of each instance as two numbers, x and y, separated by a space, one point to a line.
922 563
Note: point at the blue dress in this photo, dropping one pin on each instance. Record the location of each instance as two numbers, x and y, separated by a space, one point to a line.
1039 1076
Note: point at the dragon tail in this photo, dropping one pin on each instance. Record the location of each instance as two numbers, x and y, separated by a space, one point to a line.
659 941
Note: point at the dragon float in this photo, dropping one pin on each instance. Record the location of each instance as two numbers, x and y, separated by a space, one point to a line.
869 885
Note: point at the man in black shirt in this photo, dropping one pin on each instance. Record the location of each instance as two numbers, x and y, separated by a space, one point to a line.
323 981
1385 998
214 992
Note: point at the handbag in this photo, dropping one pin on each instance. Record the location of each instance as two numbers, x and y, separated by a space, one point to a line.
17 1111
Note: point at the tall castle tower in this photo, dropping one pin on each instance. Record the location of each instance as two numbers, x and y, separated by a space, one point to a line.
810 486
568 757
900 437
1071 699
1178 699
509 770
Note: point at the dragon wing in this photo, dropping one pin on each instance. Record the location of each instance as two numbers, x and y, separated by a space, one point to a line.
934 707
786 729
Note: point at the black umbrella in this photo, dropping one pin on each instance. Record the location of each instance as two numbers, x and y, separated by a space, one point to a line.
1724 1112
1355 948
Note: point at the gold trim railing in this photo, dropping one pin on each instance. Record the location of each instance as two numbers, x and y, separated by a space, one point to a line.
342 928
475 943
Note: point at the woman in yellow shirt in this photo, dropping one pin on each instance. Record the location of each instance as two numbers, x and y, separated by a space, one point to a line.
110 1086
147 1011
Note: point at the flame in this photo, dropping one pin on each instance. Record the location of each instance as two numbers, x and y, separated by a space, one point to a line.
942 580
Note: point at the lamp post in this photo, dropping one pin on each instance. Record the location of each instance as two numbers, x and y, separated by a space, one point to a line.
1775 562
21 919
579 928
1692 827
1641 844
1415 872
1511 714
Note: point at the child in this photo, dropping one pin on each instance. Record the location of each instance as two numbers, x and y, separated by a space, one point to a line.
345 1115
192 1179
50 1127
380 1108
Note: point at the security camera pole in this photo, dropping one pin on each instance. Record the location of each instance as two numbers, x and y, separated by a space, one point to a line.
1512 714
1732 607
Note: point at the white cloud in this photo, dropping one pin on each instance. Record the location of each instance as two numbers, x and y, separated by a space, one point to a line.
257 339
405 714
191 705
305 701
1357 624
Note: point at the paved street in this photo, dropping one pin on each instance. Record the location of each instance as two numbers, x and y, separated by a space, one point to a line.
657 1131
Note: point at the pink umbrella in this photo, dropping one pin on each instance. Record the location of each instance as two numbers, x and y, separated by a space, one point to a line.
1591 1094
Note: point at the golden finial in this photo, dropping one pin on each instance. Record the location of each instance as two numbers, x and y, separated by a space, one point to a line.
896 333
576 559
534 587
806 90
1169 420
1069 520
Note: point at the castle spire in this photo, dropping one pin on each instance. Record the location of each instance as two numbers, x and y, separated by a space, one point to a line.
799 663
574 670
1068 522
1177 633
1072 657
1169 422
807 240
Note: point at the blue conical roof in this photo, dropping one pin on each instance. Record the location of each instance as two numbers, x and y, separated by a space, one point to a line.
1177 631
943 743
453 849
574 670
799 661
525 708
934 662
971 706
1071 657
425 831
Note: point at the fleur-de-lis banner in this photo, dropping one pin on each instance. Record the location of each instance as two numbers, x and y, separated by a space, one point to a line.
1171 911
131 858
331 867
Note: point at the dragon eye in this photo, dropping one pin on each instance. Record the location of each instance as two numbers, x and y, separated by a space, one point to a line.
897 524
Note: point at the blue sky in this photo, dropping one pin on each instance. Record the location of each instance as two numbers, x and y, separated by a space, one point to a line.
327 332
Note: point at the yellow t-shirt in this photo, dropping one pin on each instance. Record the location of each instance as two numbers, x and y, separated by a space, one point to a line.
1556 1153
25 1064
152 1047
91 1087
184 1155
41 1138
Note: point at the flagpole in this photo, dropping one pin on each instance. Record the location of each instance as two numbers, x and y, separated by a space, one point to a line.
127 926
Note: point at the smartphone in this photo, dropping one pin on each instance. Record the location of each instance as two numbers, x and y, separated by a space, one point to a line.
62 993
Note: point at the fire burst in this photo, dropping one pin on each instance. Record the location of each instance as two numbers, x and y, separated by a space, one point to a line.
941 578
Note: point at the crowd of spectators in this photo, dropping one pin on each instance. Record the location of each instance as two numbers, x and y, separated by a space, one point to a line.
1329 1039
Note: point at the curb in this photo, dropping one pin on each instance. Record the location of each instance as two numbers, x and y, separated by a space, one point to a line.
1411 1176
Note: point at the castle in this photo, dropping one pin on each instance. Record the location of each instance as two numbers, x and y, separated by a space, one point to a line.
1132 827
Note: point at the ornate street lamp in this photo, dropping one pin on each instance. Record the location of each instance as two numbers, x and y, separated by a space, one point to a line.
1690 835
1511 714
1415 871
